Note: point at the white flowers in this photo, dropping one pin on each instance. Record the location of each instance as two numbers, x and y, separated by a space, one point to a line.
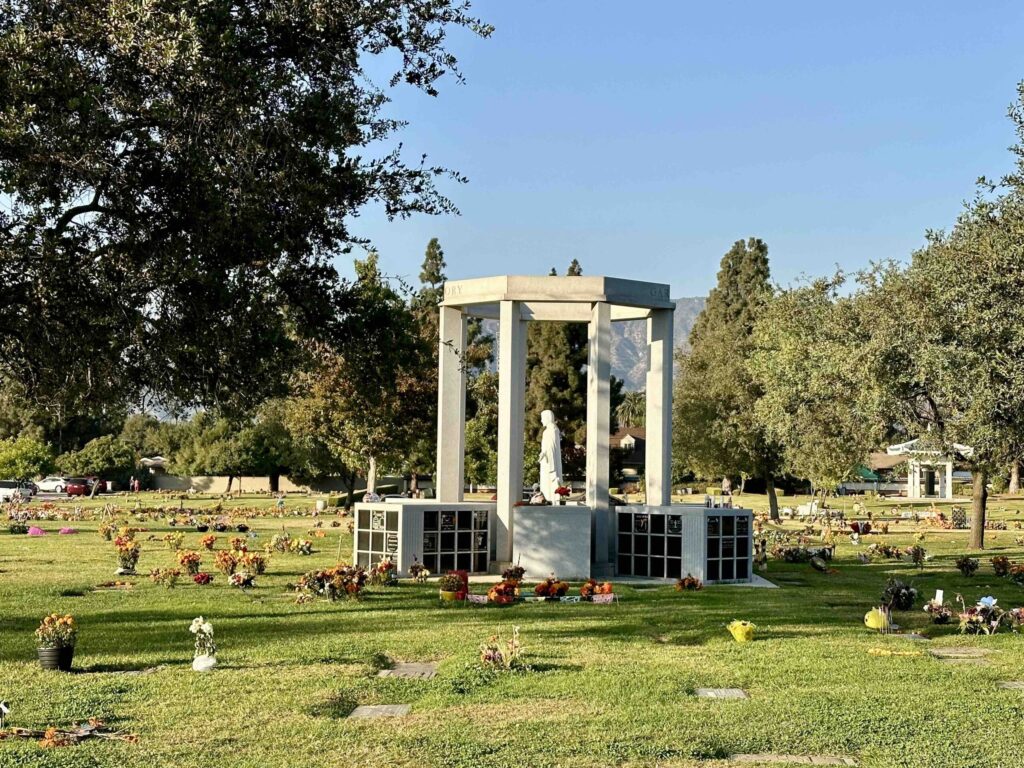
201 626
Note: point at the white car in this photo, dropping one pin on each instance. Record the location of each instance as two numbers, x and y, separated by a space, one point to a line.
11 490
52 484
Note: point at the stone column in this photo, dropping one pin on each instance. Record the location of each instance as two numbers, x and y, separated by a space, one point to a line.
599 414
949 479
658 469
511 413
451 406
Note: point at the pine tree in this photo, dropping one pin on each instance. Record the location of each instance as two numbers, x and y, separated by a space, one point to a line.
715 431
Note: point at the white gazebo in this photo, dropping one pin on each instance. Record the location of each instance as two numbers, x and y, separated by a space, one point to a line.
515 301
921 459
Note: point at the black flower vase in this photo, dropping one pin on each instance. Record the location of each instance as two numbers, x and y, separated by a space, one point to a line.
56 658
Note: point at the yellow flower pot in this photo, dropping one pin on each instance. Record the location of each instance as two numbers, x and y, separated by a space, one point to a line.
742 631
876 619
448 597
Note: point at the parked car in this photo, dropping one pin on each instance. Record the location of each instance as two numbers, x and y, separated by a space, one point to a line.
53 484
11 490
77 486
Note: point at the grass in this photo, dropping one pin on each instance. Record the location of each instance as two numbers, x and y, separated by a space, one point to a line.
612 684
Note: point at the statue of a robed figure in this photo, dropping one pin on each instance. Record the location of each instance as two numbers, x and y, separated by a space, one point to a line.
550 456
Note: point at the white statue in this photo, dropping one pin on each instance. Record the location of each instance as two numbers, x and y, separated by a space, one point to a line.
550 456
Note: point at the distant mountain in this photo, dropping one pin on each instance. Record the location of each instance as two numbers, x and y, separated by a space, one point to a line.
629 341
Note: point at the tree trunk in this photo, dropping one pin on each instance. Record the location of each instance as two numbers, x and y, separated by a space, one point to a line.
231 479
414 484
979 496
275 483
1014 476
350 481
773 500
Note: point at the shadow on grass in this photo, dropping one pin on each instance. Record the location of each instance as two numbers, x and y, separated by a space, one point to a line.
336 706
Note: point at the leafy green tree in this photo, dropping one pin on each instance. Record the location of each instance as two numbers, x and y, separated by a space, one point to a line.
194 167
209 446
482 430
107 457
266 447
368 415
23 458
142 432
715 428
819 401
949 335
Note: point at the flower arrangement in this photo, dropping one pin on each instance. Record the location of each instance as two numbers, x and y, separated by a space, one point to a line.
17 527
174 540
203 630
504 656
513 573
898 595
591 587
128 551
551 588
1016 574
504 592
689 583
226 562
741 631
190 561
340 581
251 561
1001 565
301 547
418 571
967 565
983 618
238 543
168 577
202 579
242 579
281 542
208 541
383 573
106 531
940 613
56 631
884 552
917 554
454 585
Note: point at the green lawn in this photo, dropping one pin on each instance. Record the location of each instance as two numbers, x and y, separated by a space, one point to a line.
612 684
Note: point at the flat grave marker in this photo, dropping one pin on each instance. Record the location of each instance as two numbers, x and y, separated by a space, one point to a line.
721 693
411 670
379 710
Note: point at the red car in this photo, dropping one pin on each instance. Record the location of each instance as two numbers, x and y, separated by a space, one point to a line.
77 486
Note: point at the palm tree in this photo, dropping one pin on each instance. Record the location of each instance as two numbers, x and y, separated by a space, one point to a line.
632 411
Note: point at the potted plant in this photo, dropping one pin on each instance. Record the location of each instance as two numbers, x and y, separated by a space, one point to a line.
128 551
562 492
205 657
451 585
55 641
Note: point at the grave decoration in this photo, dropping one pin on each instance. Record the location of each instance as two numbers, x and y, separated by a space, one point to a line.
202 579
504 656
551 589
939 611
689 583
591 589
383 573
1001 565
505 592
898 595
168 577
453 586
877 619
742 631
190 561
418 571
56 638
128 551
967 565
333 583
205 655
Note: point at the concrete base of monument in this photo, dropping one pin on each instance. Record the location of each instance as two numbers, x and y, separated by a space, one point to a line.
554 540
757 582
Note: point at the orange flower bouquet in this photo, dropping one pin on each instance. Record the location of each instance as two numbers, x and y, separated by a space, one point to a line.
190 561
592 587
551 588
504 592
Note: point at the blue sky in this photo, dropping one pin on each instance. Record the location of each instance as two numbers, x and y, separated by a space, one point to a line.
643 138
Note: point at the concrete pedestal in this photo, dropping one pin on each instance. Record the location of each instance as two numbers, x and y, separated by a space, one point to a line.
552 540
